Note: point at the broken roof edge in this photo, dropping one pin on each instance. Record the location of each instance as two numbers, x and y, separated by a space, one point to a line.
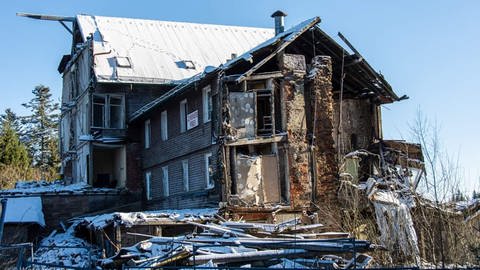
289 35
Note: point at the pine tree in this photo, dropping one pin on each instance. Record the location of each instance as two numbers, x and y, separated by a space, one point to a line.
42 126
12 151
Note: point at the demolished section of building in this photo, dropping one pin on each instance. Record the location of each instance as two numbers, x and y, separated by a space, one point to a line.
272 126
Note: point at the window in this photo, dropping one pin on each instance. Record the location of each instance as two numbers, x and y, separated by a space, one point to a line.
107 111
98 111
165 185
148 130
115 117
183 115
185 175
208 171
164 126
207 104
148 177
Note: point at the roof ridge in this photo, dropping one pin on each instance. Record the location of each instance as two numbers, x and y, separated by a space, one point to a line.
178 22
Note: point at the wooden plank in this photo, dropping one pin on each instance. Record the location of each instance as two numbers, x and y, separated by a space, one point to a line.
271 183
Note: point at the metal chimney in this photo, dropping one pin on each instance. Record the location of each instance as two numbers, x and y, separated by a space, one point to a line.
279 17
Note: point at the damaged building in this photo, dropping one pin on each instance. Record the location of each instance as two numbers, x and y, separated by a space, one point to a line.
193 115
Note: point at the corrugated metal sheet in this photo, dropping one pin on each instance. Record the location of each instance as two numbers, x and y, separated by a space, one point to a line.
148 51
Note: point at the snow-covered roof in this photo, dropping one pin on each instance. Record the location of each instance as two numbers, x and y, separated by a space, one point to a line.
247 55
139 218
24 210
23 188
150 51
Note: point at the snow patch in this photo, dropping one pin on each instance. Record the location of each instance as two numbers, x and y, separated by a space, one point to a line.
24 210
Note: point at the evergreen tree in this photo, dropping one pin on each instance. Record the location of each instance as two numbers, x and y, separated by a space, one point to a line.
11 119
42 126
12 151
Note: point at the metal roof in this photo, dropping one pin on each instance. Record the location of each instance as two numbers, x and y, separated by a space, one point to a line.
149 51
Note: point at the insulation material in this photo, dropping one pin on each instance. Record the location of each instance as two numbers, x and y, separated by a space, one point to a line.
394 221
242 109
249 179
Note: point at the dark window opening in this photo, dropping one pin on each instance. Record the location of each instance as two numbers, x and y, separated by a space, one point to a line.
264 113
354 141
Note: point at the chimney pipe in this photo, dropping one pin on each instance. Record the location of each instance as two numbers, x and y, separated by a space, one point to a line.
279 17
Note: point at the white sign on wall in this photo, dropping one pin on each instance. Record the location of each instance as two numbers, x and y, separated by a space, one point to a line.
192 119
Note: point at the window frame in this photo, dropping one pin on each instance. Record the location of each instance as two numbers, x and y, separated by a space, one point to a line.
185 175
207 104
107 109
147 130
183 115
165 182
148 185
210 184
164 125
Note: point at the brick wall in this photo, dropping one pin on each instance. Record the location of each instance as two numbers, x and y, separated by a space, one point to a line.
62 207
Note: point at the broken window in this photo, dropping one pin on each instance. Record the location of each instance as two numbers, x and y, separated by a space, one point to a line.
207 104
183 115
209 171
185 175
264 112
148 177
165 185
164 126
147 131
107 111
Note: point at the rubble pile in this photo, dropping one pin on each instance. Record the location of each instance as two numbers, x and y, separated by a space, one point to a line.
243 244
64 249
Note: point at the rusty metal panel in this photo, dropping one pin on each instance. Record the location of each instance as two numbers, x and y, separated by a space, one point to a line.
271 179
242 108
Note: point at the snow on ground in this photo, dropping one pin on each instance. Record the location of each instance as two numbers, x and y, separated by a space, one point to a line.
67 250
137 218
40 187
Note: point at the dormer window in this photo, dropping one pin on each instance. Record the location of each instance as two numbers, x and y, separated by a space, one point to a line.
186 64
123 62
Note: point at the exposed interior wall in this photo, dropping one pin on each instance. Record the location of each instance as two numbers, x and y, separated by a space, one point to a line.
357 129
242 112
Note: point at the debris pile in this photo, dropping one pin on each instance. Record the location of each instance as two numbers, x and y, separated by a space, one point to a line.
390 191
243 244
64 249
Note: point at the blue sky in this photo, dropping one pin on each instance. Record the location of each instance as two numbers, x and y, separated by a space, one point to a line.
425 49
